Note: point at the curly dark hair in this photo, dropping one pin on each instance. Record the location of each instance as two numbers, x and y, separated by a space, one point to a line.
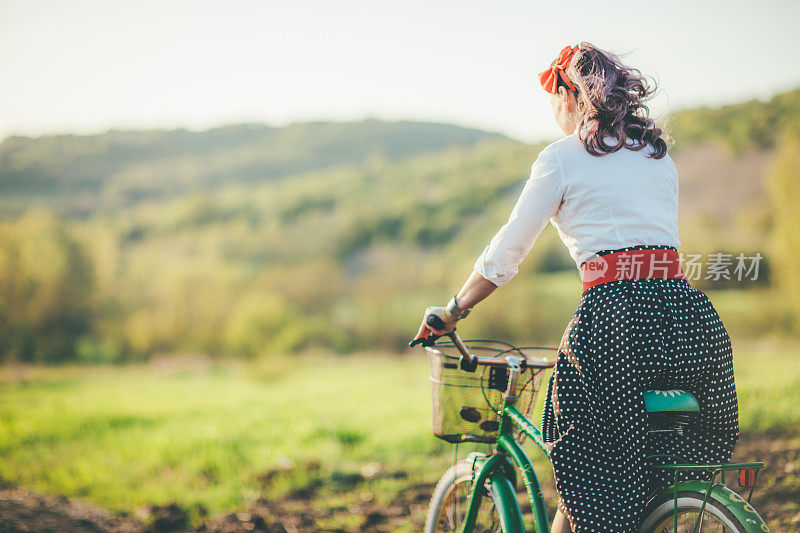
611 101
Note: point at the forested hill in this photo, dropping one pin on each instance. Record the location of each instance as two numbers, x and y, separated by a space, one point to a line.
79 174
738 127
119 167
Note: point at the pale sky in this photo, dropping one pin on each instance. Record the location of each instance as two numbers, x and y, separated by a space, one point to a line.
85 66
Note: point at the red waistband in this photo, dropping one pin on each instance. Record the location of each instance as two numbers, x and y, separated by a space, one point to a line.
631 264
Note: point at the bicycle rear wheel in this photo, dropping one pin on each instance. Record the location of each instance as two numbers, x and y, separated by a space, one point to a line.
716 518
449 502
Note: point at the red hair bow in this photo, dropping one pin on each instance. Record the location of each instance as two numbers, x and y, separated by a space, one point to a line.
549 78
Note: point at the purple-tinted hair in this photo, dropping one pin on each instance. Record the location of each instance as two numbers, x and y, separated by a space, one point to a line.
611 100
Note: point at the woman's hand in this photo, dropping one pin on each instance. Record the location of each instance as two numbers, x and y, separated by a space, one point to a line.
425 329
474 290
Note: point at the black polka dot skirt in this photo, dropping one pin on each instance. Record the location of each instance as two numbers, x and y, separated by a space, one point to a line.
628 336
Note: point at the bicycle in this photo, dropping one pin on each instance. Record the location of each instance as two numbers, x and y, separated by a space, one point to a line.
490 407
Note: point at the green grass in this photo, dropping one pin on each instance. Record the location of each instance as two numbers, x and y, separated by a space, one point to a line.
127 437
767 385
216 437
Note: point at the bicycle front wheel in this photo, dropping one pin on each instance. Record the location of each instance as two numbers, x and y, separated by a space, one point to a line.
716 518
450 499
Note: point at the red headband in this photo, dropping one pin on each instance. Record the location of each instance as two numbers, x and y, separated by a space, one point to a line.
549 78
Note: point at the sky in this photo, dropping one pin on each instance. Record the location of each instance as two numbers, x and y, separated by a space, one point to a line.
85 66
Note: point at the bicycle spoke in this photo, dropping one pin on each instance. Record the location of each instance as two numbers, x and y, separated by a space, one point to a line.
687 521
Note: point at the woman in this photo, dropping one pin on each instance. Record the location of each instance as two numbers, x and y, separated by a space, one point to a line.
611 190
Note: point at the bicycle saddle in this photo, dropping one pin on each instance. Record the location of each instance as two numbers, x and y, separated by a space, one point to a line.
659 401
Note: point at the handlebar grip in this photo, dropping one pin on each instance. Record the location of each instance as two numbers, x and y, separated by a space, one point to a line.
430 339
436 322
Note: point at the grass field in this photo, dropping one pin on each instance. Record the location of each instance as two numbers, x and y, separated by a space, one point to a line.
216 437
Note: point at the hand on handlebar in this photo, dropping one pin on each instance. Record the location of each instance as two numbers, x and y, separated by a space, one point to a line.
431 325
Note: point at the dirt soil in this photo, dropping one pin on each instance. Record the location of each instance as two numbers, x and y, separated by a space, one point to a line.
777 498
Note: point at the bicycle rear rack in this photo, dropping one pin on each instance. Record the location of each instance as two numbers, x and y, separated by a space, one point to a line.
750 470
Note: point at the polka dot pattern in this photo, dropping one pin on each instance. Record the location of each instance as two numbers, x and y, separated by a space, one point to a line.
625 337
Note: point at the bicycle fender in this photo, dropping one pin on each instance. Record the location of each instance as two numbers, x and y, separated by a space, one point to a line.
724 496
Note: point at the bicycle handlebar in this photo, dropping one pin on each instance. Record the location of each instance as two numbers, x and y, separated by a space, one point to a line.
470 362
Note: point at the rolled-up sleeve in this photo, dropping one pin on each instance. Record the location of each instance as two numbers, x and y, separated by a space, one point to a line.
537 203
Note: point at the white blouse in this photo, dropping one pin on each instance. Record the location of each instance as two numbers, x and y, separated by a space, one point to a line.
596 203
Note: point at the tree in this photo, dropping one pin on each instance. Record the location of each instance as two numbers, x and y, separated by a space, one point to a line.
784 190
46 284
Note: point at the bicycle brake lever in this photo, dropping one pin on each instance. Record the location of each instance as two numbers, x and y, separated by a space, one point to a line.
430 340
